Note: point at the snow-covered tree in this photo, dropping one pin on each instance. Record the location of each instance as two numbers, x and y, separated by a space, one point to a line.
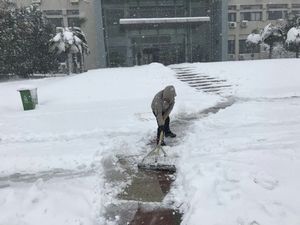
24 47
71 42
253 42
272 35
293 40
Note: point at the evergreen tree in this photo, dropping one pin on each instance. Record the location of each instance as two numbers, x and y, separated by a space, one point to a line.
253 42
24 42
293 40
71 42
272 35
292 31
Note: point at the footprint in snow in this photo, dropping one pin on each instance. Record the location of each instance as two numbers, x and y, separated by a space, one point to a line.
265 181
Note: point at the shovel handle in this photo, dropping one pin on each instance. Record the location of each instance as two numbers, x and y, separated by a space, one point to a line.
161 136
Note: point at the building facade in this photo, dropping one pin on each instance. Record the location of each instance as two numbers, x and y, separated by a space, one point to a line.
136 32
167 31
246 16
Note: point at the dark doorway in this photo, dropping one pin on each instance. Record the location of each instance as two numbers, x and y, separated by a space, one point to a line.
150 55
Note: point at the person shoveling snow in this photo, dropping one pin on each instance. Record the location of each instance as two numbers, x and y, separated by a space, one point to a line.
162 106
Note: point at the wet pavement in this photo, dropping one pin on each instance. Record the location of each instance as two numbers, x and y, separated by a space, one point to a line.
156 217
134 213
140 201
148 186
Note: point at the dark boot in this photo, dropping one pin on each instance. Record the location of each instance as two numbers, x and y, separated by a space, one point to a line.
168 132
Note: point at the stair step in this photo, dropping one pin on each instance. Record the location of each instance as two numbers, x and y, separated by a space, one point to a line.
216 87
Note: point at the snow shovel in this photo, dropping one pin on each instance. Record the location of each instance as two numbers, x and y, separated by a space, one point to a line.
151 160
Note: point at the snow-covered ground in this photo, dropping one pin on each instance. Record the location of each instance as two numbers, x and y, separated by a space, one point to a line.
238 166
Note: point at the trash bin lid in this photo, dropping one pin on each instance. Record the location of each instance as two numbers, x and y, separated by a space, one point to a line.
26 87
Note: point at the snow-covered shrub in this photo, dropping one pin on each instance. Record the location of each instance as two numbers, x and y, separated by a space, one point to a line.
293 40
71 42
272 35
253 42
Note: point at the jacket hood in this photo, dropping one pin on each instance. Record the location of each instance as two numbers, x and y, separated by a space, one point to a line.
169 93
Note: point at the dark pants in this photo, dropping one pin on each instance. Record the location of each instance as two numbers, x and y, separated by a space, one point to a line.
166 127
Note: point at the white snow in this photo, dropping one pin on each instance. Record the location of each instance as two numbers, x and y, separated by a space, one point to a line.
266 32
293 35
238 166
66 38
254 38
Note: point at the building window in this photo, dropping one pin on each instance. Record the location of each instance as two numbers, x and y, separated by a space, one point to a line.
251 16
232 17
250 7
274 15
117 56
147 12
113 16
256 49
296 12
57 22
73 12
295 5
166 11
133 12
74 22
180 11
53 12
277 6
199 11
231 7
231 47
243 47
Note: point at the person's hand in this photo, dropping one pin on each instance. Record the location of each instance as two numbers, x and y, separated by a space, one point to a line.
161 128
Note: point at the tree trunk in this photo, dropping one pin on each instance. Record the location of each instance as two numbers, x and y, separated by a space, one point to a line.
297 51
270 51
69 63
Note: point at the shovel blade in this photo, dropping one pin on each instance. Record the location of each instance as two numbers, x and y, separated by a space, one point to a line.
157 167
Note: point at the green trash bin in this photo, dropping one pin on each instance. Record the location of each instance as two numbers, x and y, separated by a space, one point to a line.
34 96
29 98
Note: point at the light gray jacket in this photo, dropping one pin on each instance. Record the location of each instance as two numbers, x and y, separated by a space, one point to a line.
163 103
